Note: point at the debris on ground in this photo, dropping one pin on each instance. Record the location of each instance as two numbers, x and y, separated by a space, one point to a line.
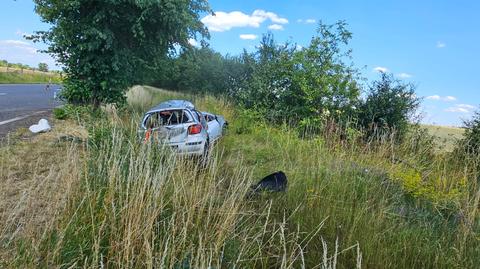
276 182
41 127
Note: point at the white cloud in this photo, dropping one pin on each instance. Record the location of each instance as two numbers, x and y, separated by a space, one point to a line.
442 98
456 110
450 98
466 106
380 69
269 15
404 75
18 45
441 45
461 108
192 42
223 21
307 21
15 43
19 51
248 36
434 97
275 27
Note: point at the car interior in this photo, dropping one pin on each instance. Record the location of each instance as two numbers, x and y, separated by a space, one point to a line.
166 118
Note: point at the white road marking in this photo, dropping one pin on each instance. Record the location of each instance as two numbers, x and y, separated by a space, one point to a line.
19 118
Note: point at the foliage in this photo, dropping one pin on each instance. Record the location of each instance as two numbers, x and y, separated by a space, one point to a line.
5 63
107 46
388 107
471 140
196 70
59 113
291 83
43 67
282 82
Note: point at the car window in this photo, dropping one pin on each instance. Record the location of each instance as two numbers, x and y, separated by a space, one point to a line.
202 119
209 118
166 117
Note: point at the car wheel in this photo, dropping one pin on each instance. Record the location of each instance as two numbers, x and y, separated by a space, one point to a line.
206 150
204 158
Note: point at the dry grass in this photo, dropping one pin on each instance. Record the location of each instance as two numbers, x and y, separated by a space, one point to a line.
13 75
4 69
38 174
124 204
446 136
117 203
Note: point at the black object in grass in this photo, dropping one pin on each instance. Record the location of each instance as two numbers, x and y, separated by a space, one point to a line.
276 182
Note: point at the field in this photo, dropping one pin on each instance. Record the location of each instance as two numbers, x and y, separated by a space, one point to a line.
90 195
15 76
446 135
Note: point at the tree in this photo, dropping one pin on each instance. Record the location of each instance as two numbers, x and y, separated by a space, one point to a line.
303 85
107 46
470 144
197 69
389 106
43 67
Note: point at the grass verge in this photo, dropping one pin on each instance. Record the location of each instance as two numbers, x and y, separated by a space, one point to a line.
27 78
348 205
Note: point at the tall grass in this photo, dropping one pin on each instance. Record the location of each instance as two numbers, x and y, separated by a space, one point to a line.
139 206
348 204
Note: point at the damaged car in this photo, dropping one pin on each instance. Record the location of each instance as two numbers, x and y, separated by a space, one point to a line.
179 125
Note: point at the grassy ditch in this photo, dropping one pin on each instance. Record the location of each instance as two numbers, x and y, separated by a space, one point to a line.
348 204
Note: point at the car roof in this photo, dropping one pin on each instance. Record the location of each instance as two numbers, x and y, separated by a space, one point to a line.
172 104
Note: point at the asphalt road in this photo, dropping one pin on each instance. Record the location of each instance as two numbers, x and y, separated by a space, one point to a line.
24 104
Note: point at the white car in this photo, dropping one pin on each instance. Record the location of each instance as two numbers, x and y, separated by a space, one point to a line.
179 125
216 125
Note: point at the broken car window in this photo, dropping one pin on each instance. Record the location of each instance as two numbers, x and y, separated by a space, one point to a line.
165 118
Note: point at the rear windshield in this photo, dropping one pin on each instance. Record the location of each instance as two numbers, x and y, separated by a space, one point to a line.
166 117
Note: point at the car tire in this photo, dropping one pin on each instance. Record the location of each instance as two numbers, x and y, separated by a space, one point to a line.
206 150
204 157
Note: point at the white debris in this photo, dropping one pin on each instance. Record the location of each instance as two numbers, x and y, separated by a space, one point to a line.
41 127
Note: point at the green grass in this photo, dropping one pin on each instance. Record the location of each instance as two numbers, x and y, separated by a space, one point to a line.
347 205
27 78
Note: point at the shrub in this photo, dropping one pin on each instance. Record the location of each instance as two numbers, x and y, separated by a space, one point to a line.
301 84
59 113
388 108
471 142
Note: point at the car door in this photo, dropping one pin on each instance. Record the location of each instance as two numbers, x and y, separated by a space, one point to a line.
214 128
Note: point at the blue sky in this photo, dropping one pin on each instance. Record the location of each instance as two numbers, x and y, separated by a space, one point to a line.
433 44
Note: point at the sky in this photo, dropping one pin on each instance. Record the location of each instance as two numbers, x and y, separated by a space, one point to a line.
433 44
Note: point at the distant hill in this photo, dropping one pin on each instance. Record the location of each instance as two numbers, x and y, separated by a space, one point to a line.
446 135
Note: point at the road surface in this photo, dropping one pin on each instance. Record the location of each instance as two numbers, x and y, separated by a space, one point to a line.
22 105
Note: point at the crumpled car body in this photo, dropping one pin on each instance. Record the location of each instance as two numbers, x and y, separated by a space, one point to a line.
178 125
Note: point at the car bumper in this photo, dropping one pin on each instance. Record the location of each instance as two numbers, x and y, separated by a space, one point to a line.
189 148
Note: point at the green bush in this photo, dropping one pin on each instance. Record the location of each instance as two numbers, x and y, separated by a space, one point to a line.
59 113
300 84
388 108
471 142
